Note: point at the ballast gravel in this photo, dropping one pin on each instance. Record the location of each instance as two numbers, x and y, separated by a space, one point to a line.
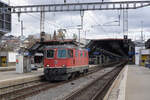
64 90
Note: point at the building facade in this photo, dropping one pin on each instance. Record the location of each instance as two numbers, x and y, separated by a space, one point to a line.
7 58
5 19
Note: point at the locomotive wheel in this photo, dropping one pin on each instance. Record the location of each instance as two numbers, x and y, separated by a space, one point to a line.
73 74
87 70
47 78
70 77
77 74
84 71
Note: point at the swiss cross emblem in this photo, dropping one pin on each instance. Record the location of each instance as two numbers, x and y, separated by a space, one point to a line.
17 61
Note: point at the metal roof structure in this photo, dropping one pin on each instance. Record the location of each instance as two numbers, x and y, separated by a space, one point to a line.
119 47
39 46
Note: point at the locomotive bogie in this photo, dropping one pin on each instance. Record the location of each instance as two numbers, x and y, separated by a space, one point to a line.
54 74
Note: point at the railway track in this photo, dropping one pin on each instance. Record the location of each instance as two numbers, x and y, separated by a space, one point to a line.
37 86
98 88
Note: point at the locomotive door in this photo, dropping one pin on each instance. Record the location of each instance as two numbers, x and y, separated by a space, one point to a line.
76 57
71 57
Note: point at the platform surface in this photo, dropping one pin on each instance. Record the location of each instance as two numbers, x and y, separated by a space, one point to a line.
138 83
10 68
9 78
13 75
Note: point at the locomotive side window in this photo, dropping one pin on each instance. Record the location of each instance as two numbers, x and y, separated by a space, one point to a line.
85 54
76 53
81 53
62 53
50 53
70 53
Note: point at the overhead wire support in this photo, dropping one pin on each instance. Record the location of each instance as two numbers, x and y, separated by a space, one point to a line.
42 21
78 6
116 22
125 22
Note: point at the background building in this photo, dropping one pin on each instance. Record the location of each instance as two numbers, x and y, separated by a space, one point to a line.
5 20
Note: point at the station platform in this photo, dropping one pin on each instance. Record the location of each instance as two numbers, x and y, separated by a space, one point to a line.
138 83
9 78
133 83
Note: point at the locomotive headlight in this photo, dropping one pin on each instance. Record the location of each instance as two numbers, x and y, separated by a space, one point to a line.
47 65
63 65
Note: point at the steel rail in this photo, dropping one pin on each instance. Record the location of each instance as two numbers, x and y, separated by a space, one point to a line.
37 89
101 93
97 89
22 93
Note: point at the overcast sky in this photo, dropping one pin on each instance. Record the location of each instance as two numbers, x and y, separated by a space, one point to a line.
91 18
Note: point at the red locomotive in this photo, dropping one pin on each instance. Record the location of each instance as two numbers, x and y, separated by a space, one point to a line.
62 62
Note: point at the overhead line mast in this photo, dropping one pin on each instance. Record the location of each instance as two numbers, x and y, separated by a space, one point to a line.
125 22
42 21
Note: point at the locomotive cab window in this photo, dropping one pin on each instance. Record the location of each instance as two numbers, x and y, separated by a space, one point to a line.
50 54
62 53
70 53
85 54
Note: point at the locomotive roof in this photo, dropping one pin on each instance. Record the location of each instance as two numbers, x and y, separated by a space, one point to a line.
64 46
39 46
59 42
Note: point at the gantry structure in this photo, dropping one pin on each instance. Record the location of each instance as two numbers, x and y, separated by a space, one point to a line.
123 5
78 6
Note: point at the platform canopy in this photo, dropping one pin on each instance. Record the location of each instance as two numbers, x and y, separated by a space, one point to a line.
119 47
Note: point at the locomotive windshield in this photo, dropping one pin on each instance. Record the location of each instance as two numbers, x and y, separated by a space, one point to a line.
62 53
50 53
